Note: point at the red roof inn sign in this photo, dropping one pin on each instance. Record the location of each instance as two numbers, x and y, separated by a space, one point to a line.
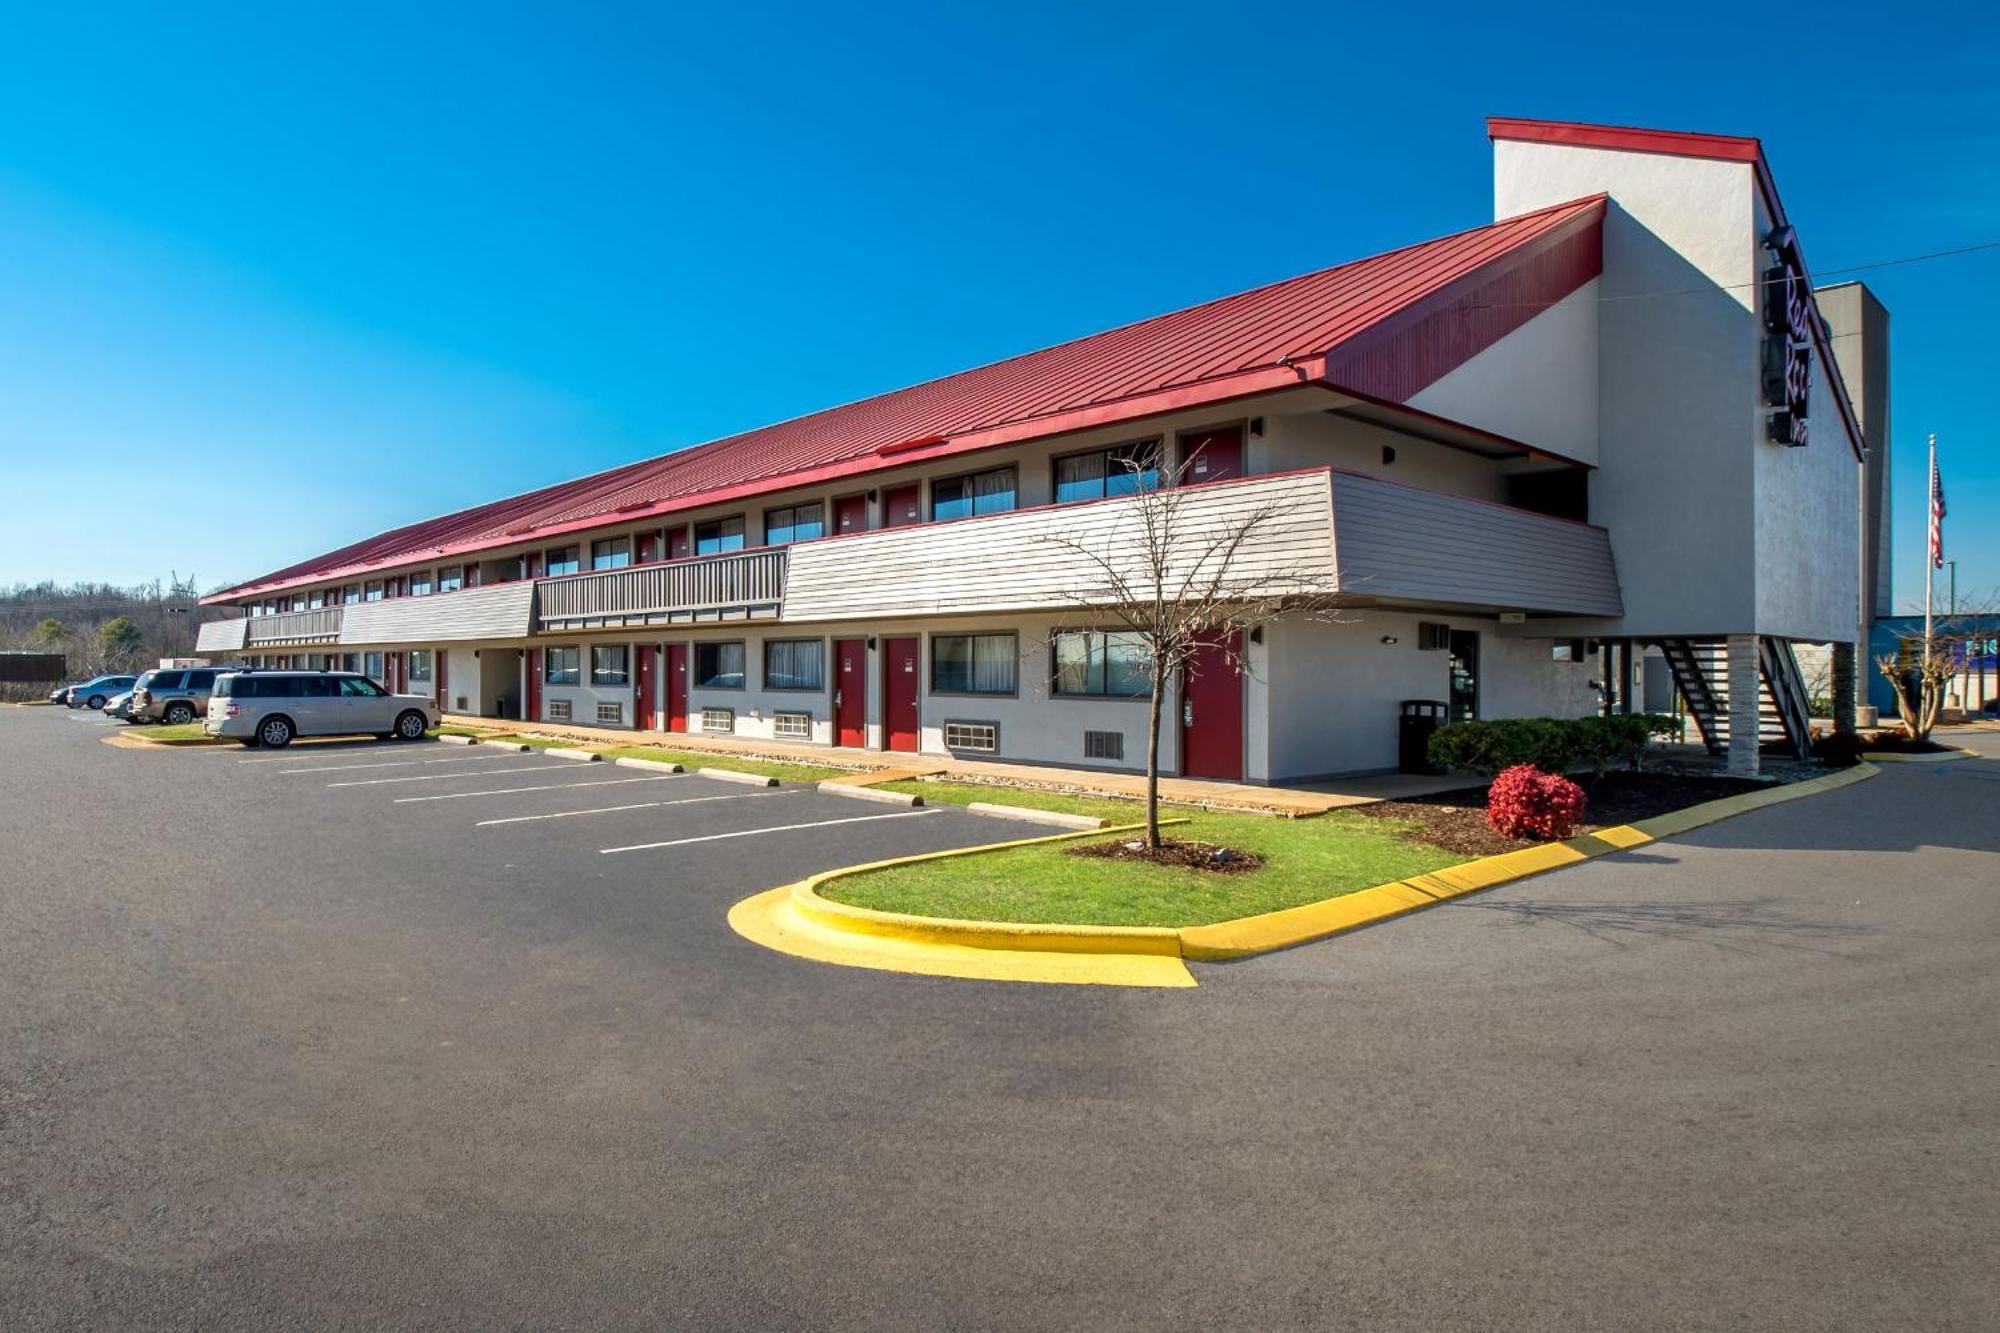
1788 339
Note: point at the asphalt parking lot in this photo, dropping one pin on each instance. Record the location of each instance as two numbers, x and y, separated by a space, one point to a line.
281 1053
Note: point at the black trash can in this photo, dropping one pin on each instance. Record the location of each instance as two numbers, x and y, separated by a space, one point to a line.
1418 719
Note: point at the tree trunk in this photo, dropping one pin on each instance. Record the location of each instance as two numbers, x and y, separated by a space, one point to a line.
1153 761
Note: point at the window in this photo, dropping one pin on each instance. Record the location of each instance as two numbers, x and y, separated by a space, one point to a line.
611 553
200 680
981 737
1123 470
420 665
353 687
316 601
560 666
420 583
794 523
451 578
373 592
792 726
794 664
719 535
613 713
718 719
350 661
350 594
978 493
1094 662
371 665
558 710
972 663
609 665
562 560
718 666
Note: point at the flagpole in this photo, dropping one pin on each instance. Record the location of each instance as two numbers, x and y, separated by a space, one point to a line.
1930 537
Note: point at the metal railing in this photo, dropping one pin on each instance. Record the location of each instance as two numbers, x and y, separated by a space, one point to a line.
716 583
320 625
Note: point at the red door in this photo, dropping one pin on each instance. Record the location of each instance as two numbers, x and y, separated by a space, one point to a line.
1212 455
649 548
677 687
1212 712
850 514
443 684
677 542
850 692
900 685
643 682
534 709
902 506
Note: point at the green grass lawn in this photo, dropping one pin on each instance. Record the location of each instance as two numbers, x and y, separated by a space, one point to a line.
186 731
693 759
1305 860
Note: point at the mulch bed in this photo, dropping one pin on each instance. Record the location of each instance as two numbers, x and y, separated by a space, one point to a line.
1456 820
1185 855
1895 742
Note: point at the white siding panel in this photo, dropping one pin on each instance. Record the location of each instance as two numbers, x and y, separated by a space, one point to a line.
220 636
1018 561
1398 542
497 612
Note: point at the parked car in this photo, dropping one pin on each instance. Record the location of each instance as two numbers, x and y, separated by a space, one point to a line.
60 694
119 706
173 695
98 691
271 707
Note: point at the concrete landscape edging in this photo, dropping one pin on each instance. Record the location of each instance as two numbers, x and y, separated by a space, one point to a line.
511 747
733 775
1942 757
796 919
650 765
1031 815
858 793
565 752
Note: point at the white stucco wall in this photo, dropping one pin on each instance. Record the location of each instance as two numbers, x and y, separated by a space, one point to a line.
1318 439
1537 385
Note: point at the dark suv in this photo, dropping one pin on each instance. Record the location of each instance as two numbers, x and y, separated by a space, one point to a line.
173 695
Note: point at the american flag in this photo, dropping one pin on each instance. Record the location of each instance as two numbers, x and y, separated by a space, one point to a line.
1937 516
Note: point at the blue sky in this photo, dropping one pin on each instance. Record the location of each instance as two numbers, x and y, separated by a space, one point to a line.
297 277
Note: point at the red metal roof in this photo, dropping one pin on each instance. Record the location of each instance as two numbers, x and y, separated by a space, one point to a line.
1267 338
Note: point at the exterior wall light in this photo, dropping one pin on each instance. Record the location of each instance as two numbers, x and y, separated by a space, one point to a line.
1388 638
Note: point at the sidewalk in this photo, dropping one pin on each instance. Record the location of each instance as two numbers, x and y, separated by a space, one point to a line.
1293 802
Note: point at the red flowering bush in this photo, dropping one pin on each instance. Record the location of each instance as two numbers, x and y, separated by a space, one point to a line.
1525 802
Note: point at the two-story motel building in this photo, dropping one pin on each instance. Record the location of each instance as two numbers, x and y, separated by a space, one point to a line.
1515 454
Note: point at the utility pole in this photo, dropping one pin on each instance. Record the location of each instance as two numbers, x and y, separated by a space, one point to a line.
1930 532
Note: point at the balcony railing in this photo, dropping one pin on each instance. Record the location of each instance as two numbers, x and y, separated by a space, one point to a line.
320 625
745 585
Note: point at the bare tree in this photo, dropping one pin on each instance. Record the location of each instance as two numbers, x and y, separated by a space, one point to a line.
1923 672
1186 576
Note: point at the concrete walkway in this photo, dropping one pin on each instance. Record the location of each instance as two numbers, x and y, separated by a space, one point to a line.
880 766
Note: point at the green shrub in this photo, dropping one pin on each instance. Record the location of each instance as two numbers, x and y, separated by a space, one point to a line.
1551 744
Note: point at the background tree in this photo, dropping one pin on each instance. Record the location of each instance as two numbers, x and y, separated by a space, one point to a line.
1924 672
1188 580
120 644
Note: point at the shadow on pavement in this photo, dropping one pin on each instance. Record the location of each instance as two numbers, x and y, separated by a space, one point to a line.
1731 924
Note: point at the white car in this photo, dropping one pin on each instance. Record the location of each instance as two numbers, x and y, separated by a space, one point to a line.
271 707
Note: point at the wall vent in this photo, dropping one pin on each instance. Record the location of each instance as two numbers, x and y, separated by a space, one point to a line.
1104 745
978 737
1433 636
558 710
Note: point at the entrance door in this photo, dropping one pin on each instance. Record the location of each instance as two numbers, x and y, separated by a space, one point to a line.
901 682
1464 675
1212 712
1212 455
644 682
850 692
677 687
534 691
902 506
850 514
677 542
443 680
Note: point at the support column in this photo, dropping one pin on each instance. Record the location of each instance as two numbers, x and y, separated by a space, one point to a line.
1844 683
1743 760
1625 682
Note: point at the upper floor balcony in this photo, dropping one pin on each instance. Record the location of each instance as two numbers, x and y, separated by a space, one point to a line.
737 585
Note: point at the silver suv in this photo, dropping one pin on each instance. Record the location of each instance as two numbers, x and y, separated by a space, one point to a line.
271 707
173 695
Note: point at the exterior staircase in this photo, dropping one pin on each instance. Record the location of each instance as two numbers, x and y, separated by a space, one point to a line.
1701 672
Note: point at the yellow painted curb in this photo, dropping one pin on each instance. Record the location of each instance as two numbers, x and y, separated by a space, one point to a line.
795 919
1947 757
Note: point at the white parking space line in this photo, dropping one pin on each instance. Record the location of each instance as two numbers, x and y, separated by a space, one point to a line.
614 809
398 763
445 777
753 832
547 786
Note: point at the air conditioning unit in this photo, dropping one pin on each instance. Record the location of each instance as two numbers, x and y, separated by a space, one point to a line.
1433 636
1104 745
